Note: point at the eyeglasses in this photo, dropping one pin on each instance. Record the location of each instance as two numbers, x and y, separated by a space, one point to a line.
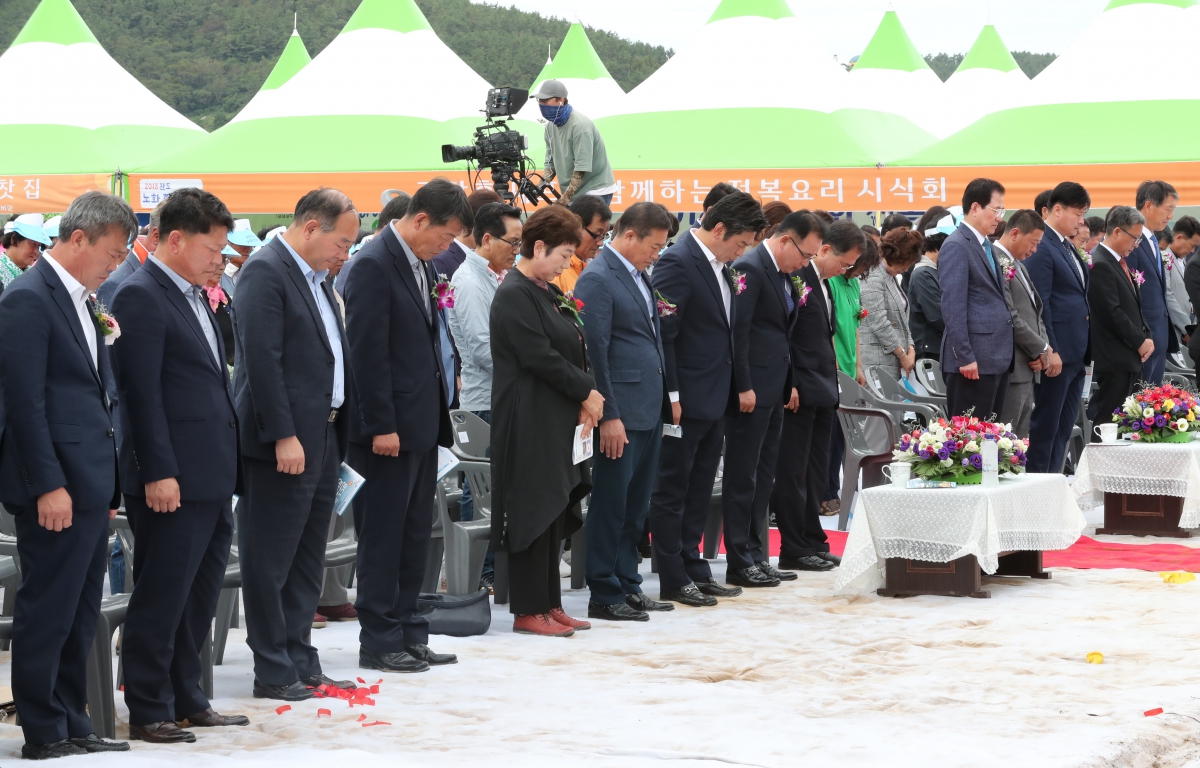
593 235
1136 240
796 245
997 211
516 246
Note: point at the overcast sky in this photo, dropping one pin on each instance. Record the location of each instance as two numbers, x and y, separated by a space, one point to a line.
843 27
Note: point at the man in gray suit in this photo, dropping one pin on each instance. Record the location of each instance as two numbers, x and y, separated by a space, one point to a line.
292 387
1022 235
620 321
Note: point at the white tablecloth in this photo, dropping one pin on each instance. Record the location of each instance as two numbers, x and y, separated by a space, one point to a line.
1029 512
1149 469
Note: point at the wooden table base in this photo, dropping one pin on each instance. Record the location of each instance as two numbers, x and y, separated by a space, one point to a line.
1128 514
957 578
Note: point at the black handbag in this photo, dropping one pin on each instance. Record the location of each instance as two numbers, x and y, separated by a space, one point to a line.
456 615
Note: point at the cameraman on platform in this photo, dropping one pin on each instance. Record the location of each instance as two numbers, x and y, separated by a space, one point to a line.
575 152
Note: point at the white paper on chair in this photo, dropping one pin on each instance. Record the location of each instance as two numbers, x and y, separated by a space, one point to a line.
446 461
582 447
349 483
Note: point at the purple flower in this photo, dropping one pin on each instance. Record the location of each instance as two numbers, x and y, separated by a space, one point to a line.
966 462
1160 421
1136 426
944 453
977 461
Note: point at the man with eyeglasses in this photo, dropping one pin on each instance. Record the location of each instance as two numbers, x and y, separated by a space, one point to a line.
1156 201
1061 279
597 220
977 347
1121 336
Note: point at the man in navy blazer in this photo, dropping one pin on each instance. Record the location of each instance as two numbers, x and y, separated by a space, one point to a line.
392 326
762 370
1156 201
1061 279
802 475
179 467
977 346
620 322
291 393
58 470
697 340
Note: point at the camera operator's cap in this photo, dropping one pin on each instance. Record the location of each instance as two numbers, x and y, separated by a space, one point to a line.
241 234
29 226
51 226
550 89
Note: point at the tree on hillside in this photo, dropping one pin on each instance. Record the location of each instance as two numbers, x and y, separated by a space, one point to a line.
944 64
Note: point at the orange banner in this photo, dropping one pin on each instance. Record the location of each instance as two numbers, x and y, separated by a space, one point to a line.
46 194
682 191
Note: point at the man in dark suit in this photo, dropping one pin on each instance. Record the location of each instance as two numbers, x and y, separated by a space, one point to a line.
766 303
620 321
1060 278
179 467
1021 235
697 341
448 261
1156 201
392 326
58 470
291 391
1122 339
977 347
802 474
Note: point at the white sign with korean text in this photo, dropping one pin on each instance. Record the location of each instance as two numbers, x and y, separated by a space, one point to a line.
154 191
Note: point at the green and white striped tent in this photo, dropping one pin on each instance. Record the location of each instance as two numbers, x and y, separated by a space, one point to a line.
988 80
891 76
590 88
293 59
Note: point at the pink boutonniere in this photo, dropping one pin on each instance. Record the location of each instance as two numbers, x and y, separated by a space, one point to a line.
107 324
802 291
1009 274
443 293
738 280
216 297
1138 277
1168 260
665 308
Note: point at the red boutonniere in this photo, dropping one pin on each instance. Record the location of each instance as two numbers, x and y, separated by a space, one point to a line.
665 308
568 304
109 329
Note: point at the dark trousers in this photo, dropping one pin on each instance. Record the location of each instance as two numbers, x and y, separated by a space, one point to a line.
1112 389
837 454
982 397
687 470
801 479
1055 406
533 581
616 514
178 566
393 528
54 621
1155 366
751 453
283 526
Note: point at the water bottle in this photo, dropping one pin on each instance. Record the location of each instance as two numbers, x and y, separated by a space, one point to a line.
991 462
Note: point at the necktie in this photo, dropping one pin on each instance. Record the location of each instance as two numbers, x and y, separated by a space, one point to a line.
787 294
987 249
1129 276
422 288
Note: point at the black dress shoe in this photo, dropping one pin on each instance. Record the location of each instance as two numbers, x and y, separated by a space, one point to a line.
807 563
775 573
164 732
829 556
642 602
715 589
52 750
390 662
616 612
93 743
688 594
297 691
316 681
210 719
749 577
421 652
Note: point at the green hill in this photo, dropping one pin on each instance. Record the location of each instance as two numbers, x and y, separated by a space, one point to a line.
206 58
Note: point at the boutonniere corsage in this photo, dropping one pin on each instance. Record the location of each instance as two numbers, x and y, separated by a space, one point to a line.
738 281
216 296
1138 277
107 324
665 308
1168 260
443 293
1008 268
568 304
1009 274
802 291
862 313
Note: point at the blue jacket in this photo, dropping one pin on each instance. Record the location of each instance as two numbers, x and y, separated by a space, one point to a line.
975 308
395 350
697 340
1147 259
1055 273
762 356
177 413
58 425
624 343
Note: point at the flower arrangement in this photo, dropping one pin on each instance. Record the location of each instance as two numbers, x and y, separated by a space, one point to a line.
802 291
665 308
953 449
569 305
1138 276
109 329
1159 414
443 293
738 281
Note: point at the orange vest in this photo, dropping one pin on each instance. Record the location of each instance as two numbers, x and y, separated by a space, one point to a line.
566 281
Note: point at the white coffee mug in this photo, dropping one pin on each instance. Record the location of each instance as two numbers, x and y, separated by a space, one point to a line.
1107 432
898 472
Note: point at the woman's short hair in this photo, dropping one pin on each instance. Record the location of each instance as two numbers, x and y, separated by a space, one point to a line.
868 258
775 211
902 248
11 240
554 226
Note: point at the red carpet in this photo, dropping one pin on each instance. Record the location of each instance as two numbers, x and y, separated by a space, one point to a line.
1085 553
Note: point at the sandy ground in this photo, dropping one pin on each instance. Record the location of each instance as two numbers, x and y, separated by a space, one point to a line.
780 677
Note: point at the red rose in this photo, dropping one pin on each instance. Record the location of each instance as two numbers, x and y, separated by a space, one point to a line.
578 304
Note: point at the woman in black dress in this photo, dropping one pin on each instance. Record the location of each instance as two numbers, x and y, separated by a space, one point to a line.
541 391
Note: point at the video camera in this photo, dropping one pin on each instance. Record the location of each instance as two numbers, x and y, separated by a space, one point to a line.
501 150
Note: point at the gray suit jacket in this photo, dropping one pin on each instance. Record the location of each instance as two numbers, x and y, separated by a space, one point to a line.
1177 298
1029 330
886 325
624 343
974 307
